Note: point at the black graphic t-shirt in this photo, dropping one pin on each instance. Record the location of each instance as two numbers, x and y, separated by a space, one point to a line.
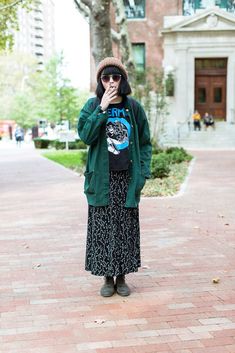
118 129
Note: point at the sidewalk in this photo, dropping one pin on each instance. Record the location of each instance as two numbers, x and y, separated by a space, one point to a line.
49 304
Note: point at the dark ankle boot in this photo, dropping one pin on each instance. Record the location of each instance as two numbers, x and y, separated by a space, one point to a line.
107 290
121 286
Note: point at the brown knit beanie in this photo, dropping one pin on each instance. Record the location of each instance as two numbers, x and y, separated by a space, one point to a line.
111 61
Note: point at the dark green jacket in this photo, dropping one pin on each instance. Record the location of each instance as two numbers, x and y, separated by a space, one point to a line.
92 130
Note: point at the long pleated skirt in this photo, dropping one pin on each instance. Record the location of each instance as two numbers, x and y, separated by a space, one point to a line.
113 233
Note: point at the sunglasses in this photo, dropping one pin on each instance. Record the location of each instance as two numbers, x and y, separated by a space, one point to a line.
115 78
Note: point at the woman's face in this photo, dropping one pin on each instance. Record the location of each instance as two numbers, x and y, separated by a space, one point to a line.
111 81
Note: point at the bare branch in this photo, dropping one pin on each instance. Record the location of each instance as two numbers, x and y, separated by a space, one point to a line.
82 9
88 3
10 5
123 36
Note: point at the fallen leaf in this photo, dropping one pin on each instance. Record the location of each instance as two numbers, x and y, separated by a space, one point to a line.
99 321
216 280
146 267
37 265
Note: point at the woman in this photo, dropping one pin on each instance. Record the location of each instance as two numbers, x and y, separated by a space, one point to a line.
118 164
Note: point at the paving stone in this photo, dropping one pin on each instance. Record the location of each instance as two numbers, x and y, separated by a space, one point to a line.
50 304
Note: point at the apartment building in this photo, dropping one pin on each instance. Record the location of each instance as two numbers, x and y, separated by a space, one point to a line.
36 35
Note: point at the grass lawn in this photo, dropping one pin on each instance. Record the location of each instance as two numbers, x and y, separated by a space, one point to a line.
69 159
154 187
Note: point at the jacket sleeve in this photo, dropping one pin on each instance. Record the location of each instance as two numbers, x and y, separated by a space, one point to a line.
90 122
144 142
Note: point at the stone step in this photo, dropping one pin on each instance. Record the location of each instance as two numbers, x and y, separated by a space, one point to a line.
222 137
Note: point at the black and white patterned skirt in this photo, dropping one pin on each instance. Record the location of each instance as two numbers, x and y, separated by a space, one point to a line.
113 233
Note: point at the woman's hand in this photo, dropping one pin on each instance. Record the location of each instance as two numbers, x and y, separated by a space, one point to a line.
109 94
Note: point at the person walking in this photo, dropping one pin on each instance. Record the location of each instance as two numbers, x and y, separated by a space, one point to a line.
19 135
116 129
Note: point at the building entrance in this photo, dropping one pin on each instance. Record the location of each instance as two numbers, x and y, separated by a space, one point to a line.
210 87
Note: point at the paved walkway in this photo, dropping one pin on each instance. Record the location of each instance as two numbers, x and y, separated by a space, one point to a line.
49 304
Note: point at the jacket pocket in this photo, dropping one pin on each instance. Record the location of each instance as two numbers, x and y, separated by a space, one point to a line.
89 186
140 183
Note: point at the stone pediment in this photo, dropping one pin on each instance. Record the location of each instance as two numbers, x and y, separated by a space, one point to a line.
213 19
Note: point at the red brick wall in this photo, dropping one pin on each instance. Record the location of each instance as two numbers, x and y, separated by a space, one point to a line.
147 30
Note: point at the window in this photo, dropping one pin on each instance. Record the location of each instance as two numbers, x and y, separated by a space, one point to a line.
201 95
217 95
138 50
134 8
190 6
211 63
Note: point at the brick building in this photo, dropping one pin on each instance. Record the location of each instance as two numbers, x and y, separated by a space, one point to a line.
194 40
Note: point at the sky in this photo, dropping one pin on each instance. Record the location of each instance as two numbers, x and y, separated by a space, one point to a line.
72 37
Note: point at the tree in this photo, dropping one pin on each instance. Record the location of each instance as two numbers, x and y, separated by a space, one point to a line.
30 96
102 35
15 70
55 97
9 20
100 26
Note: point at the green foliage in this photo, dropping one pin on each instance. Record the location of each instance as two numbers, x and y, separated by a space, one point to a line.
167 186
160 165
170 85
41 143
75 160
162 160
60 100
178 155
149 89
76 145
27 98
9 20
155 148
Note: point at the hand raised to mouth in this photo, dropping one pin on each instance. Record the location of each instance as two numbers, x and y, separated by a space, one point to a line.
109 95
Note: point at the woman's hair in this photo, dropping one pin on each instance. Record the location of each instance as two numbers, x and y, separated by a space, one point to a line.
124 87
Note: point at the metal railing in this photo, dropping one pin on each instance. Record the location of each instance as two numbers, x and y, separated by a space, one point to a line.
187 127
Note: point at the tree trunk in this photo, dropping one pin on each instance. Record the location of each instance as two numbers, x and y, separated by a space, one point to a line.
100 26
124 40
100 29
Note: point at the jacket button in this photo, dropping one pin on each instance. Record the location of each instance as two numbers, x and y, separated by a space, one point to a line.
127 110
131 161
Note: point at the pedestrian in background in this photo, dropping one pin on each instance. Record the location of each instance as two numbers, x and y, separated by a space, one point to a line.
116 128
197 121
208 121
19 135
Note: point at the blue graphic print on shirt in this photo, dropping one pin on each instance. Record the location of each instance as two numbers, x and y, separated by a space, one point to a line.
118 130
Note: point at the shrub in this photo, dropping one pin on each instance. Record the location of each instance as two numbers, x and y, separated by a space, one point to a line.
178 155
41 143
75 145
83 157
160 165
155 148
